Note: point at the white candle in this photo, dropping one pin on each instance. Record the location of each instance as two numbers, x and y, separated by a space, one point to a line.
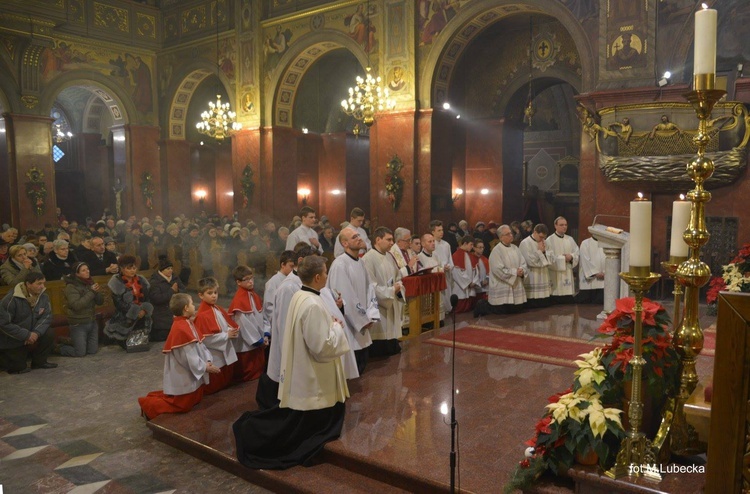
705 42
680 220
640 232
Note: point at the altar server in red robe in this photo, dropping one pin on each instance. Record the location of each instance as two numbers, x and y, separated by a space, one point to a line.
247 311
464 275
187 364
219 329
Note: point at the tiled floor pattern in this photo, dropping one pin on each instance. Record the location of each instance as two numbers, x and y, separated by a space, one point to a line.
68 467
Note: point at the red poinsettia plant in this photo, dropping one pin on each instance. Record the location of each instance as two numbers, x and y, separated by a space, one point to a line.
662 369
585 418
735 277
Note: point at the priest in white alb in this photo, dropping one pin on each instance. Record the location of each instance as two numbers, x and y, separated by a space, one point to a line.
591 273
304 232
356 220
506 293
563 250
382 269
348 278
537 283
445 260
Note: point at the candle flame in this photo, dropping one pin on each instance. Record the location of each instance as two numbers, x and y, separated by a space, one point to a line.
682 197
704 5
640 195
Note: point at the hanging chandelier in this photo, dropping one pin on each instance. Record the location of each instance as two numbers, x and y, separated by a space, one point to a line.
530 111
218 122
59 136
367 96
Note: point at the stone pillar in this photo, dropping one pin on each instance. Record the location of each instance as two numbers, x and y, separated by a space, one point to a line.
176 179
611 280
29 145
246 150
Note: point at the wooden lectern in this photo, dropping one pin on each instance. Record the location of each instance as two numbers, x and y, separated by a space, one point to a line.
423 299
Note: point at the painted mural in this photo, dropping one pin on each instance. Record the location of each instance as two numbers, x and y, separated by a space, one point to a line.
133 71
626 35
434 15
355 21
675 24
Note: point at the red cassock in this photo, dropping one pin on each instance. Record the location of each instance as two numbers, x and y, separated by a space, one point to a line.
207 325
250 364
157 402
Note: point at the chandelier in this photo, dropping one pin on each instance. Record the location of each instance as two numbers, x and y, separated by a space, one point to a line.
218 122
367 96
61 136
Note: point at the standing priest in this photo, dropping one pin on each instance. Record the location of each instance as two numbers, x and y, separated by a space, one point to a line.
382 270
349 278
563 249
507 269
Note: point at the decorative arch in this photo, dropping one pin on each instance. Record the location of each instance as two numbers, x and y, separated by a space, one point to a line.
477 16
285 79
551 73
183 90
110 93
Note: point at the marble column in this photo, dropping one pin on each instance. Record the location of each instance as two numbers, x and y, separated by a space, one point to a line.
611 280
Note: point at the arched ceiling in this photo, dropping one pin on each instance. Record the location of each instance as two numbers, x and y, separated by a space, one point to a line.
292 78
90 109
178 109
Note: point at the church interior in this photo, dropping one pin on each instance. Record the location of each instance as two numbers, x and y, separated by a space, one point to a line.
491 111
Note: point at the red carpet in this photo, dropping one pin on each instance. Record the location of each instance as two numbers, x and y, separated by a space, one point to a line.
548 349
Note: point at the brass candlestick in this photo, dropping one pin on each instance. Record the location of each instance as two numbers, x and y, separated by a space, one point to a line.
636 451
671 268
693 273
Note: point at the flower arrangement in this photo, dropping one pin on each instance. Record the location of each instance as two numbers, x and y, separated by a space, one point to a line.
662 368
735 277
394 184
36 190
247 185
147 189
584 421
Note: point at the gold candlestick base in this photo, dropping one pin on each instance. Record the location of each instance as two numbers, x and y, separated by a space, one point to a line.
637 455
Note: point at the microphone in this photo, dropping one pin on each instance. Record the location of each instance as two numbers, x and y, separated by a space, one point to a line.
454 302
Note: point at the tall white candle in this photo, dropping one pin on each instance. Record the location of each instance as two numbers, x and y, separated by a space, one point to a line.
640 232
680 220
705 42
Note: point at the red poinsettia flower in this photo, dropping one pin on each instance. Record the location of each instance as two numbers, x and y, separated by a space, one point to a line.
542 427
556 397
716 285
622 359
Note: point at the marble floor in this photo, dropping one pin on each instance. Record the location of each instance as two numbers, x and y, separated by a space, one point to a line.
78 429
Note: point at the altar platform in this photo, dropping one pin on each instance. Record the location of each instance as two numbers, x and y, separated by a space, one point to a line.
395 439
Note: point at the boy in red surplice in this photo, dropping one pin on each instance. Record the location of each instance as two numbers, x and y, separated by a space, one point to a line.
247 311
218 328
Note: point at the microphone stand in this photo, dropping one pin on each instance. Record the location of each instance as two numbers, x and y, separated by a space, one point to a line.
454 302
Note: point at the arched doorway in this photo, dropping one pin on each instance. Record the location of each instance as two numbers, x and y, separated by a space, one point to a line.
84 113
485 75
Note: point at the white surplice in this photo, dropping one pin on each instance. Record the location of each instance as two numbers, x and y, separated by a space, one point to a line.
349 278
506 287
537 282
591 263
269 293
382 269
302 234
561 272
283 297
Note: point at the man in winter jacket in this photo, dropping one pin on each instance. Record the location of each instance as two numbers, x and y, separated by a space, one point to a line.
25 316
